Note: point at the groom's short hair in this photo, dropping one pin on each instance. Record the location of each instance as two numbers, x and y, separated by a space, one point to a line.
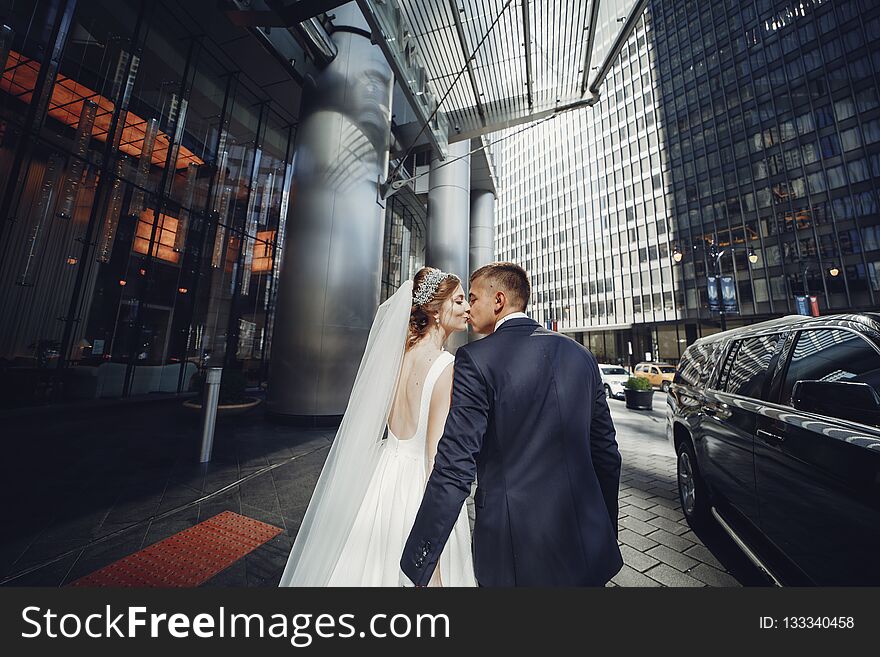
511 278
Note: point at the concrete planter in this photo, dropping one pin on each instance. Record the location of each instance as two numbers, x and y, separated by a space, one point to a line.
639 400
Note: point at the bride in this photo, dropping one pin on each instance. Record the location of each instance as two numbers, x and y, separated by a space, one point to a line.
369 491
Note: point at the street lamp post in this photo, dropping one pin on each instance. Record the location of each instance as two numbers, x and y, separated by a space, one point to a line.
804 268
716 254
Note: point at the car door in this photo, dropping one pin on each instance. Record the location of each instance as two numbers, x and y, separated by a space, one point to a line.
817 472
728 426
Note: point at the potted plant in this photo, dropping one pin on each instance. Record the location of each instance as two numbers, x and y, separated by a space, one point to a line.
233 400
639 393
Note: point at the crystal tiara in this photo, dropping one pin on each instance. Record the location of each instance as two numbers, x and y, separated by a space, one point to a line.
428 287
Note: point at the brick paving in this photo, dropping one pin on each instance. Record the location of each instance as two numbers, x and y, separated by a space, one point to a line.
94 494
658 546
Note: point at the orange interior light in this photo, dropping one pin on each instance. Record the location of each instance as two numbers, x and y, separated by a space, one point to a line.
20 78
166 232
263 251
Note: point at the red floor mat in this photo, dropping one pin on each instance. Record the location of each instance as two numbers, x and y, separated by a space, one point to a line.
188 558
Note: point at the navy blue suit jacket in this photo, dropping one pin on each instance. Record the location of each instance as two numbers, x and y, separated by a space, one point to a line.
530 420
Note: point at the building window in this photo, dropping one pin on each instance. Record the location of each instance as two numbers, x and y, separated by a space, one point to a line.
858 171
836 177
830 146
263 251
166 235
850 139
871 131
866 99
816 182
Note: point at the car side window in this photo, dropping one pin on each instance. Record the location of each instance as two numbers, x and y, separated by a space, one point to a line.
746 368
697 363
831 355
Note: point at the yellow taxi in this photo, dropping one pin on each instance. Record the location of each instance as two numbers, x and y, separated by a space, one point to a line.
659 374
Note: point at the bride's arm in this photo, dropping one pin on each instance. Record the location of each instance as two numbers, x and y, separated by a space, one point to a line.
441 398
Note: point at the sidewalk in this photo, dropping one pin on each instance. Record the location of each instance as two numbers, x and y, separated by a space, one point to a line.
87 488
91 486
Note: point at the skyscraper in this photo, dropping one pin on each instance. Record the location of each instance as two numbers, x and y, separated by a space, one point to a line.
725 131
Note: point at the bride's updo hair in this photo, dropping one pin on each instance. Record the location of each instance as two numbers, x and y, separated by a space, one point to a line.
422 314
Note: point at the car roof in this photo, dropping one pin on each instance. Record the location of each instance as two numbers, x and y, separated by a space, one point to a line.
869 320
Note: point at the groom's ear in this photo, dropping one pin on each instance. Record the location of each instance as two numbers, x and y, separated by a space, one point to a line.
500 300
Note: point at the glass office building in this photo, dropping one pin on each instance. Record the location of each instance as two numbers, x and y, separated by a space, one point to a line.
146 178
146 167
728 129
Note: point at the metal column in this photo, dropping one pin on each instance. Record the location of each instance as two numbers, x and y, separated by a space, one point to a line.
482 243
329 282
449 205
482 246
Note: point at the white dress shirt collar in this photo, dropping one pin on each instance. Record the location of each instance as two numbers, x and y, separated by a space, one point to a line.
510 316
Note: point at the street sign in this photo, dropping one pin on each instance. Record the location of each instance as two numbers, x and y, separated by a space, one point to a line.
712 290
727 299
728 295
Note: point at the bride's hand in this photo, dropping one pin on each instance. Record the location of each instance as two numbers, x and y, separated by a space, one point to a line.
436 582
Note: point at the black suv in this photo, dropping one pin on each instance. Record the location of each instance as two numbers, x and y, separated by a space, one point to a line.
777 430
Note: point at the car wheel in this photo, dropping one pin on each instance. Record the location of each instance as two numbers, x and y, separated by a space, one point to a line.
608 391
691 488
664 386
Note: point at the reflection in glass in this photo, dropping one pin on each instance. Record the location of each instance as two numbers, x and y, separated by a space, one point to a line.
111 219
220 237
177 118
143 168
192 173
6 35
248 246
48 191
78 158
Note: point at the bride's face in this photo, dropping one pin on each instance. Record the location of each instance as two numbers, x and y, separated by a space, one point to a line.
455 312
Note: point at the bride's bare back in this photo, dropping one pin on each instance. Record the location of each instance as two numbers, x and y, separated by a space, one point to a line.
404 417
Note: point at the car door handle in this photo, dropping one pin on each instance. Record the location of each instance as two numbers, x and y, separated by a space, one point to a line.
715 409
769 437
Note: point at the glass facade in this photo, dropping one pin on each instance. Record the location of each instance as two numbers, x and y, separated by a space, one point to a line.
770 112
146 184
403 247
750 127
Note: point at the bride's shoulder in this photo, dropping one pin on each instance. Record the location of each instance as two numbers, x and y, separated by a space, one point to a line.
443 381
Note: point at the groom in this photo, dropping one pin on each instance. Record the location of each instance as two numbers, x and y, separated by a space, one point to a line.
529 419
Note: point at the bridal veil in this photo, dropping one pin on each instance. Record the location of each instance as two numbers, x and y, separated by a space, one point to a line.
355 451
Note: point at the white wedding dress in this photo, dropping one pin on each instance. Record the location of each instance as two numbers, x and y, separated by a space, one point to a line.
370 488
371 554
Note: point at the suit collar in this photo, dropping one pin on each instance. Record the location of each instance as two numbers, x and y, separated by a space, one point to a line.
516 321
508 317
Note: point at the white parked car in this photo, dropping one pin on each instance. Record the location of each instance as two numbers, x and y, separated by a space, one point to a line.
613 378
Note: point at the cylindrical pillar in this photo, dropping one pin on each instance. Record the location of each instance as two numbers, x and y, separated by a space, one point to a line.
210 399
482 246
328 287
449 201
